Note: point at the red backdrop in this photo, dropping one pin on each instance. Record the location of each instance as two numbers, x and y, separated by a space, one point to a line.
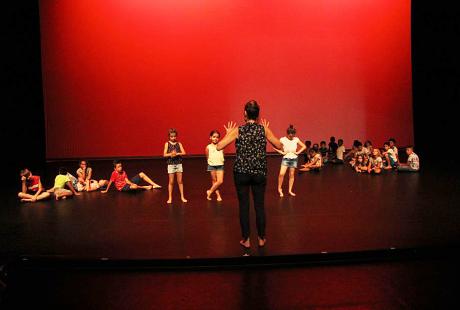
117 74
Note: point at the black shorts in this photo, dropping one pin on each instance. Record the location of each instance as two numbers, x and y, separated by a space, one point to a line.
136 180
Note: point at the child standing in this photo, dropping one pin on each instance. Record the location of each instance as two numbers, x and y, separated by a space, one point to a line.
31 187
123 184
290 144
332 149
174 151
215 165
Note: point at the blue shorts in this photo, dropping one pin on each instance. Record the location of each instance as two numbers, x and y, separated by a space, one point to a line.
136 180
216 168
289 162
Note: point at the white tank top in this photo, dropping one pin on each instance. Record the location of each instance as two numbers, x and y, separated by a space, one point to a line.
215 157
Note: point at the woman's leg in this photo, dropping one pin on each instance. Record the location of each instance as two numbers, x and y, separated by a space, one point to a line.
242 189
280 179
258 185
181 186
170 186
291 180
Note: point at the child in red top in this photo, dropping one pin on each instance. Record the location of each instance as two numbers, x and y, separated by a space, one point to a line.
122 183
32 189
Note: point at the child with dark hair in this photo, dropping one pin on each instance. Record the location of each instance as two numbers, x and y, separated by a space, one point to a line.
355 150
63 186
323 151
390 156
392 143
85 181
123 184
359 163
173 151
368 147
290 145
413 162
31 187
315 162
332 151
307 151
339 152
215 165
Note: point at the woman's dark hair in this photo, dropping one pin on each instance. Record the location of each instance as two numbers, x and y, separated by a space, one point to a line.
62 170
291 130
213 132
252 109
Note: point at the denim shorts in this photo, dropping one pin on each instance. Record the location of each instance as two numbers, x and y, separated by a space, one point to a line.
216 168
175 168
289 162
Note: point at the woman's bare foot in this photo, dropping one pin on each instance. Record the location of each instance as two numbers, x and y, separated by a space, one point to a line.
291 193
280 192
262 241
208 195
245 243
183 199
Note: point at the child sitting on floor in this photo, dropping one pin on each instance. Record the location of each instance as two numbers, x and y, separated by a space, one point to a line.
413 162
315 162
123 184
31 187
63 186
375 162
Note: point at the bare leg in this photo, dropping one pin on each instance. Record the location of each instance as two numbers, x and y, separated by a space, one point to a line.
170 187
213 181
217 180
63 194
291 180
280 180
220 180
25 197
181 186
148 180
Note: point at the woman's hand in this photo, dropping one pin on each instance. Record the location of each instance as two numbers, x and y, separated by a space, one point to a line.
230 126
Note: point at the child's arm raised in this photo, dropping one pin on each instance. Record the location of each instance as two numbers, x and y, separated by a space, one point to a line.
230 136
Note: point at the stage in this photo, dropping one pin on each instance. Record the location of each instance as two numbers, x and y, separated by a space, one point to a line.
335 211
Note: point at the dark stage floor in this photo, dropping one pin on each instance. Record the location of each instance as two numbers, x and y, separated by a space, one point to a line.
335 210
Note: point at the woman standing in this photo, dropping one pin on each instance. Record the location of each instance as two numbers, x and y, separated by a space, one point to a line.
250 169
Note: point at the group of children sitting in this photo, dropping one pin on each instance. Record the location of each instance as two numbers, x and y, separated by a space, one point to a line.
65 184
362 158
